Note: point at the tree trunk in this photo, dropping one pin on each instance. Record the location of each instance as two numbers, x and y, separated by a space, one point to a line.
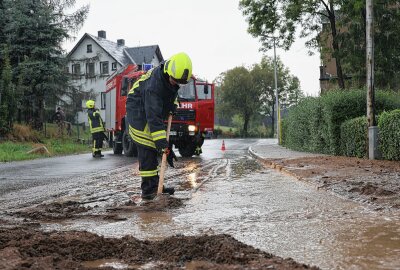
245 125
335 46
40 113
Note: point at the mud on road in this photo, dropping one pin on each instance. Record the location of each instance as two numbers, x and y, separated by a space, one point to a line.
22 248
25 243
370 182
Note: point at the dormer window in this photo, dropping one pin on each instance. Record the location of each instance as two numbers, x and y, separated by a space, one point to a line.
89 48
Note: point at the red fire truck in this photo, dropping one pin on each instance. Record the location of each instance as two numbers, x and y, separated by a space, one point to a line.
194 118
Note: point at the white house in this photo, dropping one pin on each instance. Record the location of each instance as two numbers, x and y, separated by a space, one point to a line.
93 59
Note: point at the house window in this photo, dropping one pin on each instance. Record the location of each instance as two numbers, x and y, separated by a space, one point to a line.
76 69
89 48
104 68
103 100
90 69
114 66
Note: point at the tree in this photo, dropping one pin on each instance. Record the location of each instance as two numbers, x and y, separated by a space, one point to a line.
248 93
7 96
289 91
35 31
278 18
387 38
238 96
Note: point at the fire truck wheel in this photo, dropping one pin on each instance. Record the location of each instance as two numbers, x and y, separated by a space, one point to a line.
187 150
117 148
117 144
128 145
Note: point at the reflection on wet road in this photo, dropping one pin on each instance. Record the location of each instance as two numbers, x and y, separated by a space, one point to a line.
229 192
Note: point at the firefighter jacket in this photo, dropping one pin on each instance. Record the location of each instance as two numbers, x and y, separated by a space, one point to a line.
95 121
149 101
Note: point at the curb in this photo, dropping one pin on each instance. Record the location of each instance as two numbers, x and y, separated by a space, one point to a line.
281 169
272 165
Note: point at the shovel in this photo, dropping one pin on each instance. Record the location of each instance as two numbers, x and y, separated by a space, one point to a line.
164 160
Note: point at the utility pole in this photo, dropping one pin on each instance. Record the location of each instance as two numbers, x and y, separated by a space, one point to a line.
372 128
276 95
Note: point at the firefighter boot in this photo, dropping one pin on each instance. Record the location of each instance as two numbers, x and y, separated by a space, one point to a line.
149 187
168 190
97 154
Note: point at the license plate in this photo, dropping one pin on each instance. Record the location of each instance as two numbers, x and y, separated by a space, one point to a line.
172 133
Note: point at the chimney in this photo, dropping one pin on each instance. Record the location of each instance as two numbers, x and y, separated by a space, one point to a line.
101 34
121 42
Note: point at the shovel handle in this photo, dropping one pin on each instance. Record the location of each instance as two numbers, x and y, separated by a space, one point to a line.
164 159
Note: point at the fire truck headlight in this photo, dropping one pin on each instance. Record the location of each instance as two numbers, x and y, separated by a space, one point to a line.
192 128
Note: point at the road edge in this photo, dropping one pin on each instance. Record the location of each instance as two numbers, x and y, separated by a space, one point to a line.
269 163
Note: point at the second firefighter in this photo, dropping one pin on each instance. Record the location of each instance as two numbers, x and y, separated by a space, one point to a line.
96 125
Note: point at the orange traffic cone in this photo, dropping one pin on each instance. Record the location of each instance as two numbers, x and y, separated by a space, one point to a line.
223 146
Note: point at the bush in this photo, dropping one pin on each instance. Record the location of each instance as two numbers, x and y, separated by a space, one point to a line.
284 125
340 106
301 129
354 137
314 125
260 131
217 132
23 133
389 134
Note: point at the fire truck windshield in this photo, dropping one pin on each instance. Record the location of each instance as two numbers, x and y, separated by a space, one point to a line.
187 92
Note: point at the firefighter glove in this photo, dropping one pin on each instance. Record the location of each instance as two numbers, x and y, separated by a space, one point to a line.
161 144
170 156
173 109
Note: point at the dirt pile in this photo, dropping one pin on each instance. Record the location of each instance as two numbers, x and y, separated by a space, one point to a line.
72 210
374 182
53 211
26 248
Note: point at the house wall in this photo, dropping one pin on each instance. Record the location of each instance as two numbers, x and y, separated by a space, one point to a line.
96 83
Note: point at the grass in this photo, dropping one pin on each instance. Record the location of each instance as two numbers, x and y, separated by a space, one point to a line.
225 128
23 139
15 151
10 151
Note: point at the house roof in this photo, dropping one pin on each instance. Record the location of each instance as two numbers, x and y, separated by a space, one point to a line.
122 54
144 54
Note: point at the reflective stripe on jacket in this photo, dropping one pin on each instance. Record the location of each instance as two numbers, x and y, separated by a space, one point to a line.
148 104
95 121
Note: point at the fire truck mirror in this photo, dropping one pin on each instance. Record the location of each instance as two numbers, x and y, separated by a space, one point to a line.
206 89
124 86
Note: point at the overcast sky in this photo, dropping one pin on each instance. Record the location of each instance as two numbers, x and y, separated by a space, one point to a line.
212 32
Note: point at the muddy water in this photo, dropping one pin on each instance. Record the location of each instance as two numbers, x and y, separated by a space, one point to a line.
228 192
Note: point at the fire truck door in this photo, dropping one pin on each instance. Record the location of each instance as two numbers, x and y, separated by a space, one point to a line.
110 108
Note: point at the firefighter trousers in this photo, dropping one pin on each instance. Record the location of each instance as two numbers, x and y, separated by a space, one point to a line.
148 168
97 140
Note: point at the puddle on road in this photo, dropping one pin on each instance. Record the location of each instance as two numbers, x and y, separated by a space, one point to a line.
267 210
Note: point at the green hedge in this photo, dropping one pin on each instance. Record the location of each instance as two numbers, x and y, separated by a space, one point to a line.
314 124
354 137
296 130
389 134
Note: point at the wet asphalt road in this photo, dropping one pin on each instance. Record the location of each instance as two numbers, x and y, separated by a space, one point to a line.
15 176
229 193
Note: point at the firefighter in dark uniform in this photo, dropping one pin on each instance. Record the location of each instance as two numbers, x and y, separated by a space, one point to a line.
149 102
96 128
